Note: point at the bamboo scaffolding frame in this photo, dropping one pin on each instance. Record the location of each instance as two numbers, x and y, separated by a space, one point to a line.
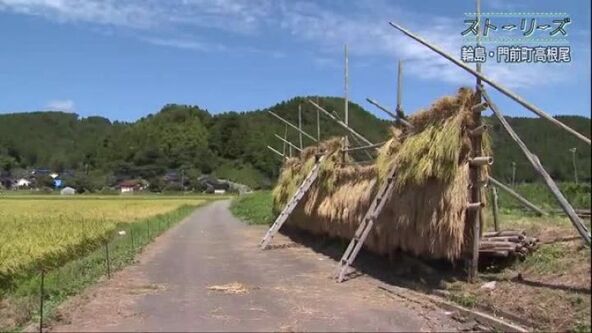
534 160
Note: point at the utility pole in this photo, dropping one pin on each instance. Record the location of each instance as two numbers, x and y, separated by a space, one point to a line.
575 165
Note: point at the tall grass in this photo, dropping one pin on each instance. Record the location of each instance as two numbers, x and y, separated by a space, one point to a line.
255 208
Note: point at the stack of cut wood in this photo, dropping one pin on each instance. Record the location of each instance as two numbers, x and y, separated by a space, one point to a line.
506 243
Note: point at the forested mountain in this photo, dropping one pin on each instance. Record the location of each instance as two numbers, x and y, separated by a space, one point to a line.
233 145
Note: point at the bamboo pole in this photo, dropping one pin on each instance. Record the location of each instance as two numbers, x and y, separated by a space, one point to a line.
394 116
349 129
275 151
288 142
318 125
517 98
517 196
567 208
293 126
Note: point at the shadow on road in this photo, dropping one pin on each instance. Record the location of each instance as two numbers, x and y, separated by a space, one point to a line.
399 269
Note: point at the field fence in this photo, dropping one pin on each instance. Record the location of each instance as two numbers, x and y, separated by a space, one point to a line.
38 296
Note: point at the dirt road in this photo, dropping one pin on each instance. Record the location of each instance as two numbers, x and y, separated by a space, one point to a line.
207 274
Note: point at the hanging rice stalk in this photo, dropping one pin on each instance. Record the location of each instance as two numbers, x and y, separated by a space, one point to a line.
425 215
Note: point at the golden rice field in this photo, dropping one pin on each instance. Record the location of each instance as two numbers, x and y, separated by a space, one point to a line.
36 230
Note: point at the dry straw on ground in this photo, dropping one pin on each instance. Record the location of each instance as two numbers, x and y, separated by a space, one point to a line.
425 215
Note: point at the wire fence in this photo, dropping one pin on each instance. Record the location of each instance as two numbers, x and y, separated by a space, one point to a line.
36 298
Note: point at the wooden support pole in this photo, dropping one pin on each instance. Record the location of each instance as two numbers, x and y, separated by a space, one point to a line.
517 196
495 207
288 142
349 129
567 208
394 116
517 98
293 126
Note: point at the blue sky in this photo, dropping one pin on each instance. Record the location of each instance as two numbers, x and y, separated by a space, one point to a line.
124 59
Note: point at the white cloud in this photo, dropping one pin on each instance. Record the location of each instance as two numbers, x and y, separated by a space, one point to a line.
188 44
65 105
323 26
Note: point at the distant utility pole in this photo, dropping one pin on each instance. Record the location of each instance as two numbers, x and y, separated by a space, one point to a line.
513 173
575 165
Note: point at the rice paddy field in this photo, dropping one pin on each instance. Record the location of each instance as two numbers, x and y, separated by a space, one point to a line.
47 231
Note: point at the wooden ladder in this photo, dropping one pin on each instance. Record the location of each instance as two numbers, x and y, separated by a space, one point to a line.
283 217
355 245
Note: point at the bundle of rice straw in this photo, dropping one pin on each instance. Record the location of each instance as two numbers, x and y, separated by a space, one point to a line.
426 213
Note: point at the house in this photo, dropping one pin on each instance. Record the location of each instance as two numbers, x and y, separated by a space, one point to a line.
68 191
22 182
213 185
131 185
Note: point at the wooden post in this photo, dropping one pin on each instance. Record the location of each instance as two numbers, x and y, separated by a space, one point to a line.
346 86
567 208
513 173
285 138
300 124
41 299
473 217
575 165
399 86
318 125
495 209
346 99
495 85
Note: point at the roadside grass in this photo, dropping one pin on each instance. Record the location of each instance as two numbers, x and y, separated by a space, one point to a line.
254 208
19 305
550 288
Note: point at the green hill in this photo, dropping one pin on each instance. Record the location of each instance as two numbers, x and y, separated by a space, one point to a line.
233 145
